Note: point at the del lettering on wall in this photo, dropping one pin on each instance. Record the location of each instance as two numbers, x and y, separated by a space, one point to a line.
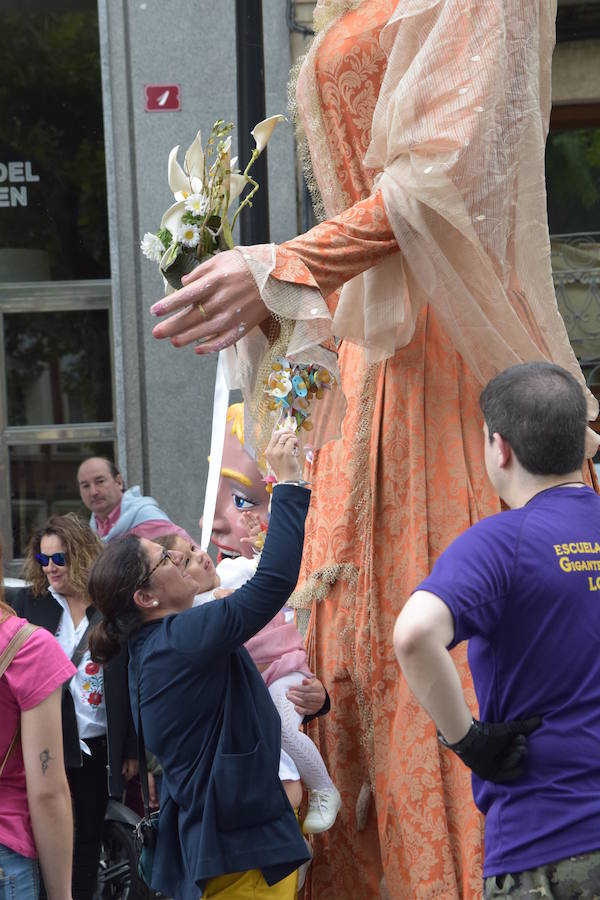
14 177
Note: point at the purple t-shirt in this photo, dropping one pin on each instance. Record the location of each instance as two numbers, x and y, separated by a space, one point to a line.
524 589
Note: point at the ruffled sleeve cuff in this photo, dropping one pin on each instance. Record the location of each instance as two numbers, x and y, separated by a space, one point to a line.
303 336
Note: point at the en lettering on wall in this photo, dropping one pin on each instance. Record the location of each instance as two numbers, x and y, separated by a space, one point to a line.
14 177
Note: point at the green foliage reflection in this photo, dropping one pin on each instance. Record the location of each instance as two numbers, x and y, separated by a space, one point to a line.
51 114
58 368
573 180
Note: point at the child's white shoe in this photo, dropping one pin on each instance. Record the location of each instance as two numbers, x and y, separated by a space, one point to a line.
323 807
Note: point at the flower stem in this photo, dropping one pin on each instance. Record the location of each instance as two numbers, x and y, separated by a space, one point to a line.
247 201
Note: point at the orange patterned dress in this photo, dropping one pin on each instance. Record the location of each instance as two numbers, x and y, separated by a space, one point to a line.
406 478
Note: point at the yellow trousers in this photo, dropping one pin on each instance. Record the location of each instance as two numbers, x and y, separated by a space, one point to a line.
250 886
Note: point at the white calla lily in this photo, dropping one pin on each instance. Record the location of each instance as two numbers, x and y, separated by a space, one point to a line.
197 224
194 160
172 216
178 181
188 180
263 131
237 183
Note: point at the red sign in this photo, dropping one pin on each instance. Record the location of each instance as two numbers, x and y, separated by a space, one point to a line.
161 97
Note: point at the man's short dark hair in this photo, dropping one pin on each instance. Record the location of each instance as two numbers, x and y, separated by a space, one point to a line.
114 471
540 409
112 467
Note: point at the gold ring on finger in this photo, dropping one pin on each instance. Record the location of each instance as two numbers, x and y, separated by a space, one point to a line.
197 305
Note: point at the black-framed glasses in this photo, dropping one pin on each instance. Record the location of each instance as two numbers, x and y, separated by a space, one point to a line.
164 557
59 559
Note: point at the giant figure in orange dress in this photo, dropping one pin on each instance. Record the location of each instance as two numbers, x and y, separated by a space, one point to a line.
426 122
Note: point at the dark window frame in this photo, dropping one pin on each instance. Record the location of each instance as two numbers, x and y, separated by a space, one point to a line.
46 297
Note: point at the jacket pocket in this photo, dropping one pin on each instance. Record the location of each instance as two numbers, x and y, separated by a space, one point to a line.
247 789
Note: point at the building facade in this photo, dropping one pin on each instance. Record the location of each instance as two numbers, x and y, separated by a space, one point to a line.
94 94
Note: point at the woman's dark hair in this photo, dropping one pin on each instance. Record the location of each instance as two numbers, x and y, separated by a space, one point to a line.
166 540
540 409
112 583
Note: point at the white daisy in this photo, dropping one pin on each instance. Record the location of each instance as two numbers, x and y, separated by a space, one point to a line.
152 247
188 235
197 204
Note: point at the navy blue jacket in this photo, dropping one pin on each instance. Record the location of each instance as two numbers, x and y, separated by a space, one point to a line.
209 720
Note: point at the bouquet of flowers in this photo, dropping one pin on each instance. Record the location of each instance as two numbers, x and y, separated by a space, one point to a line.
198 224
291 388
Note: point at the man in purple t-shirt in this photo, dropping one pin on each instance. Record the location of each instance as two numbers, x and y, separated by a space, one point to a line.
523 587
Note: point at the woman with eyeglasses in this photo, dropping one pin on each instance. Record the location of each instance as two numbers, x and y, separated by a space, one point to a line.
98 733
226 827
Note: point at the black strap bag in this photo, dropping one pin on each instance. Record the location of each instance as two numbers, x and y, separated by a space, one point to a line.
146 830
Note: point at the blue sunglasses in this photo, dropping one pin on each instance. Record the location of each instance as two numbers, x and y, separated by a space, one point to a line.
59 559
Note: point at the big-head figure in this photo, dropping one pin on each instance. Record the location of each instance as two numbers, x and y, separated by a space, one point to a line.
241 488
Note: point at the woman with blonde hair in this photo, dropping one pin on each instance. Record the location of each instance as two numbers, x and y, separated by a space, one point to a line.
98 731
35 806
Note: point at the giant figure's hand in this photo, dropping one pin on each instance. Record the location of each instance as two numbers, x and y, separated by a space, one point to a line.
218 304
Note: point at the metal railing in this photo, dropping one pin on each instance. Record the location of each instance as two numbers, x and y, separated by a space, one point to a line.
576 276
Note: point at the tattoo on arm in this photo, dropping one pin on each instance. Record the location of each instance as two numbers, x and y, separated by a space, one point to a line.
45 759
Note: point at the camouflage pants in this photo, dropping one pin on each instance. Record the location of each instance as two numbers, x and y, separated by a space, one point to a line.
575 878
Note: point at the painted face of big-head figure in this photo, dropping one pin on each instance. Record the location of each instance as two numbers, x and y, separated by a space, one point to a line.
241 488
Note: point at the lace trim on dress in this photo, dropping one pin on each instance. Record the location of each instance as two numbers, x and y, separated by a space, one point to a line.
315 590
328 11
301 328
319 584
302 147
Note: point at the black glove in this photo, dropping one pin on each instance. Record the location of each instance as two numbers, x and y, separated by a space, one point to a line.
495 752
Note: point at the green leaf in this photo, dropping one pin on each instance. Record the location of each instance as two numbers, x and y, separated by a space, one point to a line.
190 218
165 236
176 263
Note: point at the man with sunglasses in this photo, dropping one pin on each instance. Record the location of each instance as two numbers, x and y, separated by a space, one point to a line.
115 511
